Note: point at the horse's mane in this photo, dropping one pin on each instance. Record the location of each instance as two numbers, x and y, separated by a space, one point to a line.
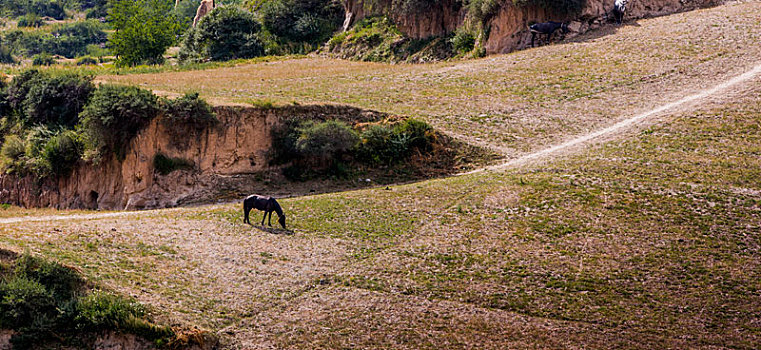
276 207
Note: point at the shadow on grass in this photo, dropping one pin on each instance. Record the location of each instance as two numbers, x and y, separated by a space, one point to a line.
274 230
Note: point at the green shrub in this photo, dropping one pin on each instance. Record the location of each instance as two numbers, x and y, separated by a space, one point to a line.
390 144
165 165
62 282
22 300
188 111
86 61
48 305
13 147
463 41
114 116
311 21
326 139
420 134
55 99
36 139
225 33
43 59
62 152
144 30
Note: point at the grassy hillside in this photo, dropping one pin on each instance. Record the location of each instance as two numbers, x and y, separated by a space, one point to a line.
651 240
517 102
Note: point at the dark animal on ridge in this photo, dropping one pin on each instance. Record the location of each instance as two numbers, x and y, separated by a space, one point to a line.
546 28
265 204
619 9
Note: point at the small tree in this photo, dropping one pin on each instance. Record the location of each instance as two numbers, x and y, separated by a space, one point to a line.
144 30
225 33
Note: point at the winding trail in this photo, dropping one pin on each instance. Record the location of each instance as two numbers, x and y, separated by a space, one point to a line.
559 149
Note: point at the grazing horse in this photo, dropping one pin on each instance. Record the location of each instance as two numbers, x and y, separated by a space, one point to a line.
546 28
619 9
265 204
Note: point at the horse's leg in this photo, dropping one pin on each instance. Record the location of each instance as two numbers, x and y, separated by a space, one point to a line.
264 217
246 209
533 35
269 220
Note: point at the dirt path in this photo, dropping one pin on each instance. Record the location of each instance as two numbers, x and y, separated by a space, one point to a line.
564 148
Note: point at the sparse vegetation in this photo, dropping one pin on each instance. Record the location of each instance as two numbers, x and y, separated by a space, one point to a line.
377 39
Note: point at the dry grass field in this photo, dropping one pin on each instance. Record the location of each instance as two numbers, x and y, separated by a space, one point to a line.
651 239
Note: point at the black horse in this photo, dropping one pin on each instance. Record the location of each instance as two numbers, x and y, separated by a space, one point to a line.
265 204
546 28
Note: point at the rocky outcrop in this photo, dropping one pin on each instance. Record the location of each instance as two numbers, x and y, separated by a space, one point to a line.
421 19
204 8
228 159
508 28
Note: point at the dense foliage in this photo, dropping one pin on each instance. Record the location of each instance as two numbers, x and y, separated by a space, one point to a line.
46 303
144 29
69 40
189 111
115 114
308 21
223 34
48 122
40 8
327 146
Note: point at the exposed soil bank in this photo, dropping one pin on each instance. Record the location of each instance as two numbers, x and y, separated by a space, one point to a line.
228 158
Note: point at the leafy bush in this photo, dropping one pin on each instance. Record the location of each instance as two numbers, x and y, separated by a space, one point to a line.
45 302
60 281
223 34
325 140
69 39
420 134
62 152
393 143
144 30
114 115
55 99
86 61
188 111
13 147
43 59
311 21
463 41
165 165
22 300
